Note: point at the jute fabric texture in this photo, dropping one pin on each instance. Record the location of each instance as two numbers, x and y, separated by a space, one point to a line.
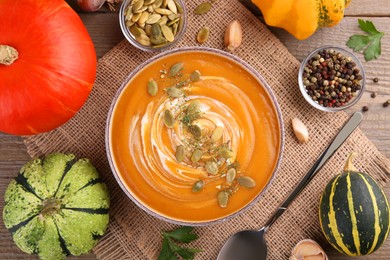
132 233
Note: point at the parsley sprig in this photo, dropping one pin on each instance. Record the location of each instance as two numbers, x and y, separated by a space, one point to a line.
170 250
371 43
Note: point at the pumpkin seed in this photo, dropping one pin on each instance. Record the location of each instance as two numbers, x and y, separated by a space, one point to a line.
163 11
231 175
167 32
195 130
179 154
129 23
143 39
203 8
225 152
180 24
136 17
152 87
223 198
196 155
174 92
172 6
193 107
135 31
169 120
195 76
175 69
203 35
163 20
143 18
246 181
164 3
158 40
172 17
174 28
179 7
211 168
154 18
157 3
198 186
148 30
148 2
137 5
143 8
156 30
150 9
170 23
217 134
129 14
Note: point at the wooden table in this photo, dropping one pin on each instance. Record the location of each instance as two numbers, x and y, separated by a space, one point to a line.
105 32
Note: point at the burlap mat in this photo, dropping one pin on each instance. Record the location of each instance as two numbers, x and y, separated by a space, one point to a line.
132 233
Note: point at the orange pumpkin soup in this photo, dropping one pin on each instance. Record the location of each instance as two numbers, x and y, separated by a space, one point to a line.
204 146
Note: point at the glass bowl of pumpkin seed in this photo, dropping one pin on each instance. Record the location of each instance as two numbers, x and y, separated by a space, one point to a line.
153 25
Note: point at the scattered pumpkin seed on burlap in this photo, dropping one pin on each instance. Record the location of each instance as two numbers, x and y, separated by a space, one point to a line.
154 23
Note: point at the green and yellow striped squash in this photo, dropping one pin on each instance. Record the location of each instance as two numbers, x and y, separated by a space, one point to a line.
56 206
354 213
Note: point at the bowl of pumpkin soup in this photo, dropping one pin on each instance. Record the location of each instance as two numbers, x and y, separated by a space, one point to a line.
194 136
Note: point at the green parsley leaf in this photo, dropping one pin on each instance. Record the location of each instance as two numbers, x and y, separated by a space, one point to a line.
170 248
166 251
183 234
371 43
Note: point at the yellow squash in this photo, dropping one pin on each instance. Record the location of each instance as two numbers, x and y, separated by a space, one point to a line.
302 18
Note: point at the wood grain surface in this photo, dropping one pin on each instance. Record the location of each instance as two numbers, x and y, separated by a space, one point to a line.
103 27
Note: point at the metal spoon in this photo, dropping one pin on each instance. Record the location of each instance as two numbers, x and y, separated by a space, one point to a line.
251 244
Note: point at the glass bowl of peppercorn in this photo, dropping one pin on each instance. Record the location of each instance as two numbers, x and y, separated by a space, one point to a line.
331 79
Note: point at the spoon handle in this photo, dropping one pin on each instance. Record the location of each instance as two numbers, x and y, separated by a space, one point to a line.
347 129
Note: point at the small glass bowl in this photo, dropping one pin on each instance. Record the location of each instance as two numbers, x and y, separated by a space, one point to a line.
126 32
353 99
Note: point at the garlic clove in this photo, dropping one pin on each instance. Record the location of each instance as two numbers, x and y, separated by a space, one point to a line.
308 249
90 5
233 35
300 130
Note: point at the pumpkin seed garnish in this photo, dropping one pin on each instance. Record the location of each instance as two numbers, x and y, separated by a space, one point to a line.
231 175
225 152
217 134
196 155
203 8
179 154
195 130
152 87
223 198
198 186
203 35
195 76
246 181
211 168
193 107
174 92
169 120
175 69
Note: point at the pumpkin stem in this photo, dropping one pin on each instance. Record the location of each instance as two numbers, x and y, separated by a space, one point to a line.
8 54
50 207
349 167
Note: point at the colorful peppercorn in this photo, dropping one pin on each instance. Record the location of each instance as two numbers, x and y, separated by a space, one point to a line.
331 79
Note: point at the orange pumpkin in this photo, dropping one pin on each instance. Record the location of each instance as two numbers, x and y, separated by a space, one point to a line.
302 18
47 65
